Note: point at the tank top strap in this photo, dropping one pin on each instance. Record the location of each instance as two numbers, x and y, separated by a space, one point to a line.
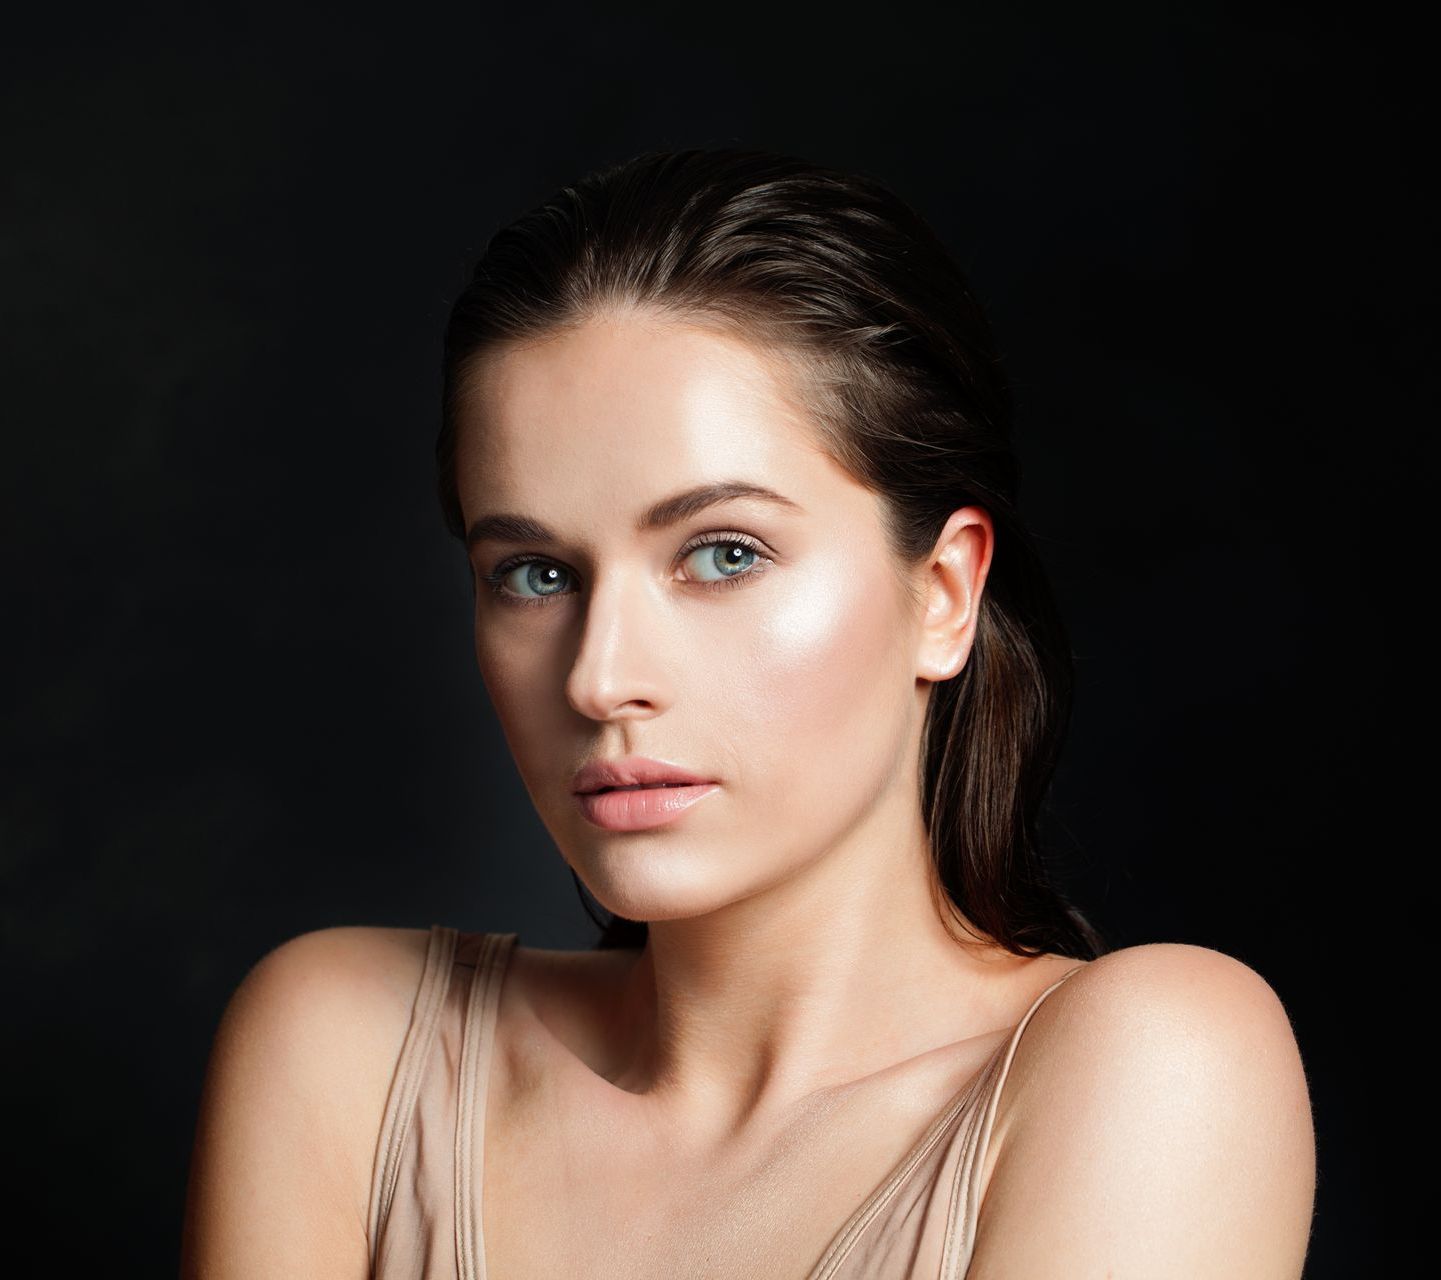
975 1141
409 1070
477 1049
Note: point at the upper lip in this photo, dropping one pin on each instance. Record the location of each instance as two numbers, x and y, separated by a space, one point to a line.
630 771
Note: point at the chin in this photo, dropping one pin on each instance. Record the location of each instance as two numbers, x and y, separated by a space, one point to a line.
655 884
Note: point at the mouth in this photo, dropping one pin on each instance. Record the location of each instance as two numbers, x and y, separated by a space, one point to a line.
611 809
642 786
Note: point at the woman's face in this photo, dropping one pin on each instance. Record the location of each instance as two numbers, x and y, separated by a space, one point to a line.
784 667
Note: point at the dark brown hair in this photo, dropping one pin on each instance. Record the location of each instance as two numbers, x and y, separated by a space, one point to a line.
894 359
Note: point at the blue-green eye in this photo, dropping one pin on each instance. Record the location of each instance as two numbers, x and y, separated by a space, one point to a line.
540 576
733 558
729 559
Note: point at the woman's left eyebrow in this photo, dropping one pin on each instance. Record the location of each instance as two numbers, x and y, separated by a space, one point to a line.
506 527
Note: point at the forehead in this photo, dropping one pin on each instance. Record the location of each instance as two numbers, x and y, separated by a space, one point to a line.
628 400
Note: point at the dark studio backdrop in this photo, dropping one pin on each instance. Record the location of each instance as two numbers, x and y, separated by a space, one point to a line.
243 701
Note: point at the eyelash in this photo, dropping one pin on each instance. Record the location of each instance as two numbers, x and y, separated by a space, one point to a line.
496 579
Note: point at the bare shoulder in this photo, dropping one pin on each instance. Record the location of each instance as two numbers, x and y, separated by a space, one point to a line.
366 962
1156 1121
295 1090
331 1007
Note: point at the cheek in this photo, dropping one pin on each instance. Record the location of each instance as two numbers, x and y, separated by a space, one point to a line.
519 685
824 674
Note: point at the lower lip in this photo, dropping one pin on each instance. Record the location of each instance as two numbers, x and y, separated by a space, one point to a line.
642 809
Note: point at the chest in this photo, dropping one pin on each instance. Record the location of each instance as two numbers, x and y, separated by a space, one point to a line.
634 1229
583 1191
500 1155
588 1213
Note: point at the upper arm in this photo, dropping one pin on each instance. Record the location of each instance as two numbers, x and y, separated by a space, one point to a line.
1156 1123
293 1098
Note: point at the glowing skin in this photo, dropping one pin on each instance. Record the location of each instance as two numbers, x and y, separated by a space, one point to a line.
719 1103
794 945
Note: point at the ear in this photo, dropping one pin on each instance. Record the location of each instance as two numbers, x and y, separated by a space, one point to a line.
953 577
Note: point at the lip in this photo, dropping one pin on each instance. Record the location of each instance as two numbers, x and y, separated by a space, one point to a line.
632 771
642 810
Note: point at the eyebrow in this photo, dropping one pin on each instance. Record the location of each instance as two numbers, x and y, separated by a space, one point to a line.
666 512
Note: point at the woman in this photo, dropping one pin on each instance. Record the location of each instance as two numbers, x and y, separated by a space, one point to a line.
727 443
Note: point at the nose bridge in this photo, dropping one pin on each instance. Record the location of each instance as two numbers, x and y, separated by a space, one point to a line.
614 662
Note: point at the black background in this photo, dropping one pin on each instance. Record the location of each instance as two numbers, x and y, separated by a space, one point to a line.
243 698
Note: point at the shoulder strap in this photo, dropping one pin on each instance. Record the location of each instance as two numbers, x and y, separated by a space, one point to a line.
965 1189
477 1048
405 1083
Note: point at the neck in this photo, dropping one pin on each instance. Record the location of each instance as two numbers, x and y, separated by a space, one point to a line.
838 971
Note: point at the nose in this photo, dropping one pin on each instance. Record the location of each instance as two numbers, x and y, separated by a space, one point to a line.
618 672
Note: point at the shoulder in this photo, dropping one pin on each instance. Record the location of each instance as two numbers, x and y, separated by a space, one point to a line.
1156 1118
1153 993
341 964
294 1094
329 1008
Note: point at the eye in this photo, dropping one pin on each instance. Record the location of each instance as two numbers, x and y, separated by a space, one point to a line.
734 558
730 558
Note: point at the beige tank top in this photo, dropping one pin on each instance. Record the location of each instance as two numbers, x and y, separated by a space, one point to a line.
424 1218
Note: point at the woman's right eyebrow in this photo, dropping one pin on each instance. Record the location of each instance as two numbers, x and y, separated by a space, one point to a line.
505 527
